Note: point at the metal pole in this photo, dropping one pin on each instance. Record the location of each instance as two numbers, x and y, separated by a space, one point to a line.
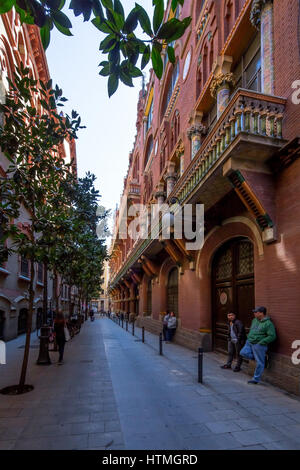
122 323
126 325
143 334
132 328
200 365
160 344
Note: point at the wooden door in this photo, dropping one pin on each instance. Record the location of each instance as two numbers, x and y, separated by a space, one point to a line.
172 292
233 287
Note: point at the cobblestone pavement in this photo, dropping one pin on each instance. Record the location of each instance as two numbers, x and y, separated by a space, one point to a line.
114 392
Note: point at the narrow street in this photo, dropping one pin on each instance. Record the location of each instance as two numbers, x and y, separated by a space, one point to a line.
114 392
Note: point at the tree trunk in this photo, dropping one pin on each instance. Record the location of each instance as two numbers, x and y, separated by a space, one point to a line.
28 330
45 299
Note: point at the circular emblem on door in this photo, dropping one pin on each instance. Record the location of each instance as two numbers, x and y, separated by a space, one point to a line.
223 298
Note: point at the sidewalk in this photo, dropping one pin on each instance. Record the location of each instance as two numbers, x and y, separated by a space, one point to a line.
114 392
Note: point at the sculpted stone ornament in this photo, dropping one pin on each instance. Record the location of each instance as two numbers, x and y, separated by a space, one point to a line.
196 129
256 9
219 80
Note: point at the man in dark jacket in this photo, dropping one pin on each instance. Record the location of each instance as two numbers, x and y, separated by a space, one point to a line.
236 340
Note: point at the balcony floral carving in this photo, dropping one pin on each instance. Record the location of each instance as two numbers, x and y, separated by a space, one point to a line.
219 80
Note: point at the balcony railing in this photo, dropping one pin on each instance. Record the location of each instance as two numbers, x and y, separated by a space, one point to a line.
134 189
248 114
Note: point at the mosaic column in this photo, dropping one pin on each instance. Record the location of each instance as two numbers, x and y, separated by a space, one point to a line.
194 135
262 18
170 177
220 90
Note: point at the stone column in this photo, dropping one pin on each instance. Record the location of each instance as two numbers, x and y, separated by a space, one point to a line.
194 134
160 194
170 177
262 18
220 89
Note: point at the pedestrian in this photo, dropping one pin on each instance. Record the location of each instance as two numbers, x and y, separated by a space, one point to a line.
171 328
59 329
261 334
236 340
165 325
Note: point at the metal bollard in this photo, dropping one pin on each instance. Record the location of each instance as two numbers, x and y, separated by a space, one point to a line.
122 323
143 334
126 325
200 365
133 328
160 344
119 321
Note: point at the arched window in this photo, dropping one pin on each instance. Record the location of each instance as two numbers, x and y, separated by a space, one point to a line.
148 150
228 18
171 86
199 6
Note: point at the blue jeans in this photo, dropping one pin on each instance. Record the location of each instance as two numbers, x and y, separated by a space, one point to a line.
258 353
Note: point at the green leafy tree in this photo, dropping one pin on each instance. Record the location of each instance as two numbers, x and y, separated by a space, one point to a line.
83 249
30 137
121 44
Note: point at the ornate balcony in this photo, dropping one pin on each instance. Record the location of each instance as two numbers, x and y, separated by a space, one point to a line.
134 190
245 136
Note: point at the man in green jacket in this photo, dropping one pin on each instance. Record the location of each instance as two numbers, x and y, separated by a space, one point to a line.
262 333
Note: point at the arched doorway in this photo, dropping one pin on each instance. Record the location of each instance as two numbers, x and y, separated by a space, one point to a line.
232 287
172 291
149 298
22 321
2 320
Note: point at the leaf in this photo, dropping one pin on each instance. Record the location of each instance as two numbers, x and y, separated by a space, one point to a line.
158 15
168 29
157 61
102 25
131 21
112 85
146 57
6 5
171 54
144 20
118 7
61 19
45 35
62 29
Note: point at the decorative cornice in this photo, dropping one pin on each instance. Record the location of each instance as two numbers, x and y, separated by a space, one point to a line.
219 80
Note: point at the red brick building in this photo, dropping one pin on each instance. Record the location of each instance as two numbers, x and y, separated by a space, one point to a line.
221 128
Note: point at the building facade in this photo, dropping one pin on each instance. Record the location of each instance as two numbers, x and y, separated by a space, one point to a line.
21 43
221 128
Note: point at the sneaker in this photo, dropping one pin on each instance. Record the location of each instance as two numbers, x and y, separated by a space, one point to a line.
236 369
226 366
253 382
60 363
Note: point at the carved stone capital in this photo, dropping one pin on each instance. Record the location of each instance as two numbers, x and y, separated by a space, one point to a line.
198 129
219 80
256 9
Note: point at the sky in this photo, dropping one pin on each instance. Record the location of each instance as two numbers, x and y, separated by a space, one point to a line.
103 147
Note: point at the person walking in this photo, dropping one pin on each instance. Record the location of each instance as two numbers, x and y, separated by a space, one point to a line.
165 325
236 341
59 329
261 334
171 327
